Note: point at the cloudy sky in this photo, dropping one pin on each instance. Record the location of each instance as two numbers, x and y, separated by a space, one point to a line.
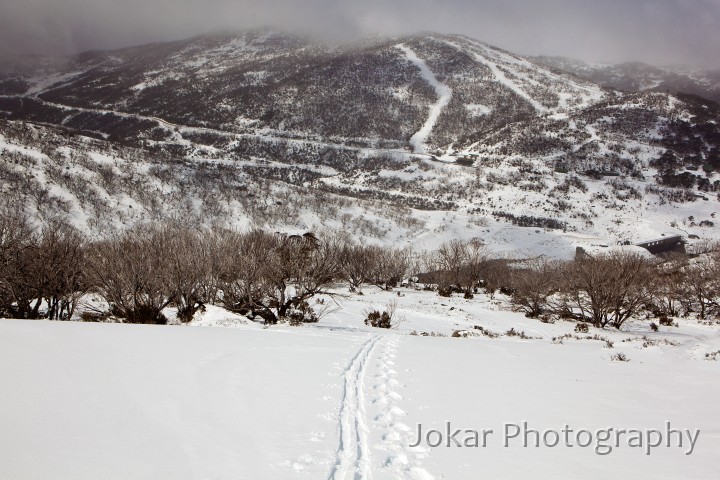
655 31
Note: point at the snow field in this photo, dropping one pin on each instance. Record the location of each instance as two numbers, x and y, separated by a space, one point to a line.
340 400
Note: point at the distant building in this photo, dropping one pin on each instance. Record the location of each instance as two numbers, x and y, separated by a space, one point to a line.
662 245
659 246
465 161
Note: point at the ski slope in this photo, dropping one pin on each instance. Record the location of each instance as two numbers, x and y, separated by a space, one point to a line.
419 140
500 76
339 400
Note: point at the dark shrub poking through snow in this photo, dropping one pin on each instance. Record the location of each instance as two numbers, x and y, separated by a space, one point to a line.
378 320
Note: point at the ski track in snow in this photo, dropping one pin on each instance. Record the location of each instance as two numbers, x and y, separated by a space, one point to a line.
419 140
353 454
402 459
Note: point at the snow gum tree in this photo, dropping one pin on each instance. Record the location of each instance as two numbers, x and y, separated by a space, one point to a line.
607 289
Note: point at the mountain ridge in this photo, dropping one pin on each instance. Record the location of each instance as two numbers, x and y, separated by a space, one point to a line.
417 137
638 76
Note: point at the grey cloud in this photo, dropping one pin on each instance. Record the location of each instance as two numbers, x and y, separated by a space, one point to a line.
655 31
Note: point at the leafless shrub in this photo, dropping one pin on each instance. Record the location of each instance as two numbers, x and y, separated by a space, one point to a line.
39 268
18 245
700 286
607 290
359 264
384 319
59 269
270 275
485 333
514 333
188 264
239 265
391 266
666 288
619 357
459 266
532 283
131 273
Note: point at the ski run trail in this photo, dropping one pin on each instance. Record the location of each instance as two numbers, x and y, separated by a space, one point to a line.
501 77
419 140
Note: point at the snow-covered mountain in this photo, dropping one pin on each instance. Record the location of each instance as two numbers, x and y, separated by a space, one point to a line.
638 76
413 139
374 93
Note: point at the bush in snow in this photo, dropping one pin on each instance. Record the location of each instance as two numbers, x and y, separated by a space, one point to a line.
458 267
129 275
665 321
271 276
606 289
384 319
619 357
531 285
302 313
41 271
462 334
378 320
149 268
358 264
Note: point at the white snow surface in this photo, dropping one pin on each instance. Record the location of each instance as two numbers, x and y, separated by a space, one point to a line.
419 140
478 110
340 400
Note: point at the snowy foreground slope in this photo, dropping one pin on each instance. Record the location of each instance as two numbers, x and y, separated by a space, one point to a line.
340 400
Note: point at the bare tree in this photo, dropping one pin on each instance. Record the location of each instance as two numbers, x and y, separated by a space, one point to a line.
391 266
243 265
131 273
18 254
450 260
607 289
302 268
39 268
189 269
700 285
59 269
273 276
531 285
358 263
458 266
476 266
667 286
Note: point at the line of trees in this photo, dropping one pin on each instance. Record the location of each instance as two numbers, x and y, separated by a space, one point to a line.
608 290
45 272
603 290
